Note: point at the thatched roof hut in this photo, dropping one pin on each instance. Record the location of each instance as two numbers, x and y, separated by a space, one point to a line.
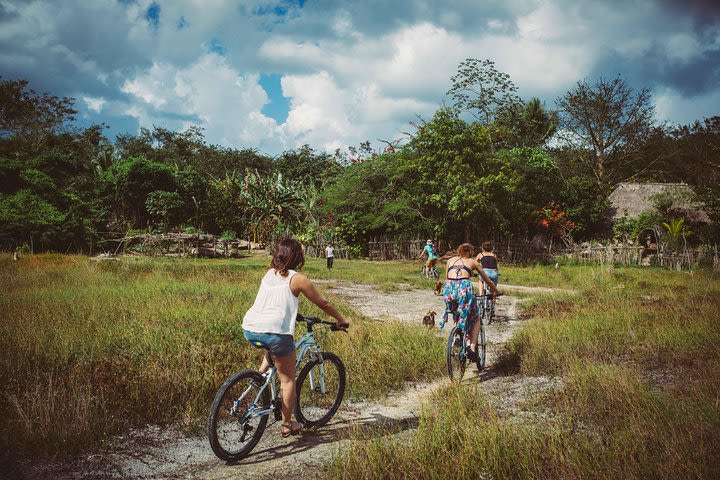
632 199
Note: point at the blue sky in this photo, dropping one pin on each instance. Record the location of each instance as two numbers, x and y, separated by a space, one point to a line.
274 75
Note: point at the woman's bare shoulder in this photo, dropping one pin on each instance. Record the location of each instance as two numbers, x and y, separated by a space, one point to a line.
299 277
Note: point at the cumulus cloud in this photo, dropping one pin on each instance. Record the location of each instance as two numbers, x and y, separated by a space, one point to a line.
351 70
208 93
673 107
94 104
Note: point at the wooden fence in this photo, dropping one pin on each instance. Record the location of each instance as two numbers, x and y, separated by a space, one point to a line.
178 245
317 250
603 254
518 252
395 250
703 256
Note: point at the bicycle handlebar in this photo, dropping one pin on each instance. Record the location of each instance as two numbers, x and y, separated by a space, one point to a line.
311 321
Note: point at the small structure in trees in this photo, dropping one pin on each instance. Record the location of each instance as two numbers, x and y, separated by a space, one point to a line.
634 199
656 216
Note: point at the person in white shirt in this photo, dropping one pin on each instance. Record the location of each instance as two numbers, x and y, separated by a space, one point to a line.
330 255
271 320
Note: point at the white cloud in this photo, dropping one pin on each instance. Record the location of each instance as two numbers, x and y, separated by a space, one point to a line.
94 104
319 111
353 71
671 106
228 105
682 47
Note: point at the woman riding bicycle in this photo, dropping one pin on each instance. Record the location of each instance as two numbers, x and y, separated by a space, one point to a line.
271 320
459 289
432 257
489 263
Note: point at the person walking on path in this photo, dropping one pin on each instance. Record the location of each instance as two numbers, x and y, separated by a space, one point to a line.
330 255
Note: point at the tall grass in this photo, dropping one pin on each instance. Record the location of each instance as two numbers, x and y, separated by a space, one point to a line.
88 349
639 353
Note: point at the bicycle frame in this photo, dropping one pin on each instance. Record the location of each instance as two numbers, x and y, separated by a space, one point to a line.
487 299
307 345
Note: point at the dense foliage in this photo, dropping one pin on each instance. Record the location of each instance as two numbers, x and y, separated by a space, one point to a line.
483 167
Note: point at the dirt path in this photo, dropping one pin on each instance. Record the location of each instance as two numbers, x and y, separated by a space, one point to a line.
167 453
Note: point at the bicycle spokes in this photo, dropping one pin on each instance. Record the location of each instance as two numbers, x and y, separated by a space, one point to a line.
238 415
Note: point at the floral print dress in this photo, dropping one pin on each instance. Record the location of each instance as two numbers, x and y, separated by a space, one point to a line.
462 292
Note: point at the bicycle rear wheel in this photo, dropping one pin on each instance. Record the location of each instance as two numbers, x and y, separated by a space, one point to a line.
480 362
455 354
320 390
231 432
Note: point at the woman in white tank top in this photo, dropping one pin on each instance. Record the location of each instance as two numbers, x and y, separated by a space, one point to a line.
271 319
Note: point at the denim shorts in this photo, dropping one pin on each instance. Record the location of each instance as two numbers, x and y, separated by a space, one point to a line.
493 274
279 345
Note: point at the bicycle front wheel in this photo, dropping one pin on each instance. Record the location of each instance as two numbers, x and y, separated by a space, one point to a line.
455 354
320 390
232 429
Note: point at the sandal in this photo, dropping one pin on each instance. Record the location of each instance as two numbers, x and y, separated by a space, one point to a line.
290 430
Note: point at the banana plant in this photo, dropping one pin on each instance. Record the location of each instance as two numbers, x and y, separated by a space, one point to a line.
676 229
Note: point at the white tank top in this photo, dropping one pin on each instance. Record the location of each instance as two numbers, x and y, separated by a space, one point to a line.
275 306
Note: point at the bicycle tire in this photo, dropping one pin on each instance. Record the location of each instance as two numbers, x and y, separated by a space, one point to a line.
308 404
221 408
480 362
488 304
454 357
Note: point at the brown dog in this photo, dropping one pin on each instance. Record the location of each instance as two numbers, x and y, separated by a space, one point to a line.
438 288
429 319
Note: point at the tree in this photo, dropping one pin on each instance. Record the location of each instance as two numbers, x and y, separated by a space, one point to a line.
305 165
163 206
25 113
610 119
524 125
129 182
479 88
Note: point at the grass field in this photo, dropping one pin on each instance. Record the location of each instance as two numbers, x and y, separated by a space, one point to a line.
639 354
88 349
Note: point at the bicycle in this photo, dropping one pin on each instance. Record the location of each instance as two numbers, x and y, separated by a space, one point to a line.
458 343
240 410
432 273
488 304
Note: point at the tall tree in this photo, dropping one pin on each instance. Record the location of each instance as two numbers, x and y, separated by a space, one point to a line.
25 113
524 125
481 89
610 119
